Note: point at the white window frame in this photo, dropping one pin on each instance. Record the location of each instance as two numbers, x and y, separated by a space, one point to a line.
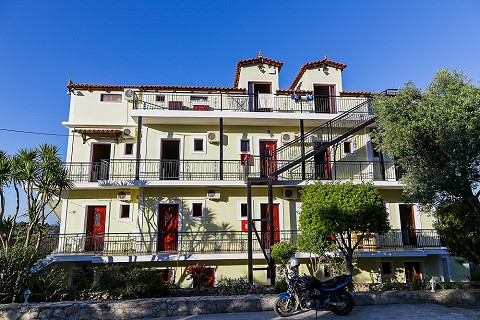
204 139
130 212
110 93
204 209
239 209
352 148
392 269
124 154
249 146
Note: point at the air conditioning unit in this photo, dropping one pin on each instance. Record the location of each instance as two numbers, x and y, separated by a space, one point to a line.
290 193
124 196
128 132
213 136
128 94
213 193
288 137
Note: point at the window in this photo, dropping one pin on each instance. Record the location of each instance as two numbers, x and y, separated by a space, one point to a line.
243 211
128 151
197 209
348 148
245 145
124 211
111 97
159 98
386 268
198 145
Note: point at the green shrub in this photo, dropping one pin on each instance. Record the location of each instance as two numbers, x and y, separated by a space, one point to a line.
131 281
47 284
238 286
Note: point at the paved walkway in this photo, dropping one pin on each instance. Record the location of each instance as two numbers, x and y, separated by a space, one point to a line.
391 312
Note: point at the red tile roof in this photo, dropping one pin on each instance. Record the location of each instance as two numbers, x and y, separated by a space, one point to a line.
290 91
98 131
355 93
258 60
104 87
316 64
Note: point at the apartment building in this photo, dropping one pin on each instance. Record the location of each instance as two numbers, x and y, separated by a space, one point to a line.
170 176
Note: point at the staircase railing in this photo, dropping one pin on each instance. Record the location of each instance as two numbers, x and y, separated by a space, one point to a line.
314 141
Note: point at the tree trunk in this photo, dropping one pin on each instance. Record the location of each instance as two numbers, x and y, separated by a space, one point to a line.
349 261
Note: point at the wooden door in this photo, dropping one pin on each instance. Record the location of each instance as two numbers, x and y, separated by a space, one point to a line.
323 164
95 228
254 88
170 162
265 226
268 157
167 227
412 272
407 223
324 98
100 165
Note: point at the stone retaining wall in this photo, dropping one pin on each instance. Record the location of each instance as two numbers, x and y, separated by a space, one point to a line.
164 307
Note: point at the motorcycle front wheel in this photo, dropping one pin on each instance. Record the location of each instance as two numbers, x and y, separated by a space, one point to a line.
284 307
343 304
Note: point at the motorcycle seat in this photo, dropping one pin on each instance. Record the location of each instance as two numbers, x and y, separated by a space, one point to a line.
332 283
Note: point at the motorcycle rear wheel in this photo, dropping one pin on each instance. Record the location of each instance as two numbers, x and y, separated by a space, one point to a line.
345 298
284 307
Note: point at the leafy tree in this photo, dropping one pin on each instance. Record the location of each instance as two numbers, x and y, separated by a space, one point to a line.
40 174
435 139
322 249
341 211
283 251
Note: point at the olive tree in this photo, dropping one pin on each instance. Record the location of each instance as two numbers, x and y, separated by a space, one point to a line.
434 137
345 212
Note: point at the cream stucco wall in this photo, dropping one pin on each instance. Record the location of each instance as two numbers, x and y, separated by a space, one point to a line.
254 73
318 76
89 110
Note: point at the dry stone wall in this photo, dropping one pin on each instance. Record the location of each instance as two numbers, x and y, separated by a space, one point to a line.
183 306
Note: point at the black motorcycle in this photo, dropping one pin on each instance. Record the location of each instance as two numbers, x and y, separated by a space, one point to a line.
309 293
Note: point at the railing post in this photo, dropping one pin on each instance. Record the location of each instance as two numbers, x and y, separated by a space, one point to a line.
250 230
271 235
221 148
302 135
137 156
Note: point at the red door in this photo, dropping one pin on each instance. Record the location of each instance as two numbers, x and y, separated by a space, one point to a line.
323 165
268 157
95 228
167 227
407 223
266 226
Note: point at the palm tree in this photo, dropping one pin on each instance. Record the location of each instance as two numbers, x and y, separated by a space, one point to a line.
43 179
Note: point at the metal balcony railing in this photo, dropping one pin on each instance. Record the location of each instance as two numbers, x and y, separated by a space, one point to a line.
329 133
240 102
233 170
216 242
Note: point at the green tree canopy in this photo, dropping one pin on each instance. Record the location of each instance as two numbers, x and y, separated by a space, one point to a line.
340 210
435 138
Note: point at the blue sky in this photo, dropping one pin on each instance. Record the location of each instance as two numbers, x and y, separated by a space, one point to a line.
45 43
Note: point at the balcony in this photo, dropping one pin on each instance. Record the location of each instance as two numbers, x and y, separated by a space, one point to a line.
217 242
280 103
233 170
